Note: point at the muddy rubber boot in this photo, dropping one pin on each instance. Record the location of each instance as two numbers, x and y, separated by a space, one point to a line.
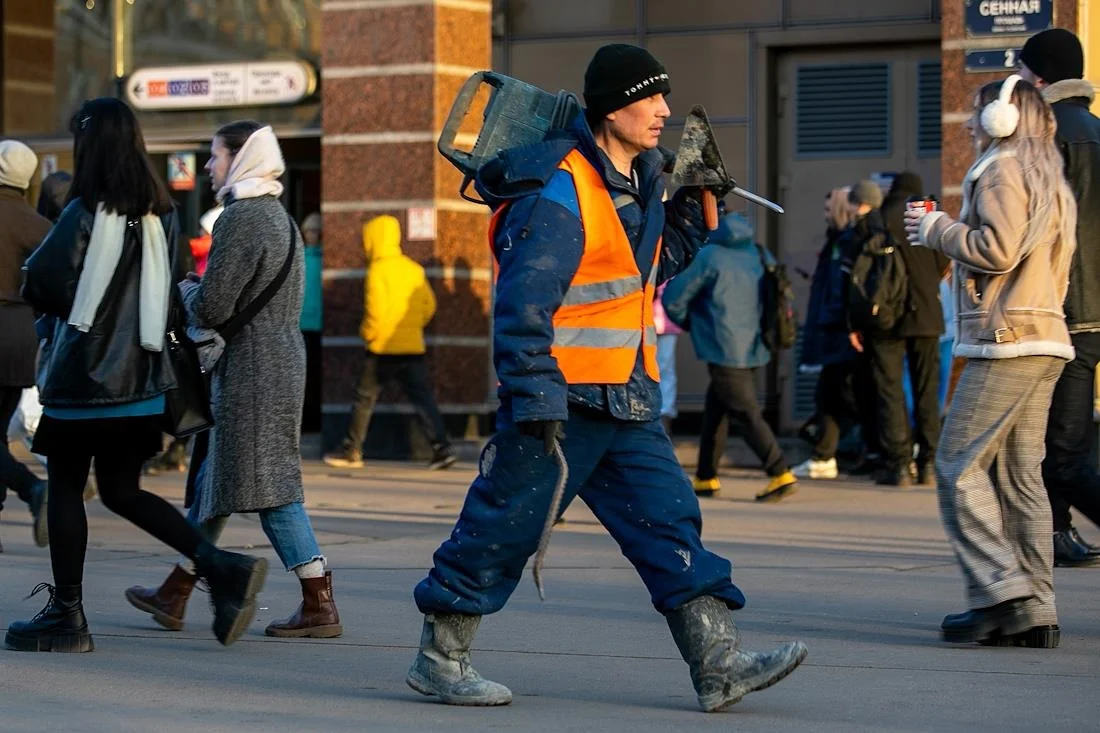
316 618
234 581
167 603
59 627
442 668
721 671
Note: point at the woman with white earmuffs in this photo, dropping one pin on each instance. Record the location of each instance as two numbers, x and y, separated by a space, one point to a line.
1011 247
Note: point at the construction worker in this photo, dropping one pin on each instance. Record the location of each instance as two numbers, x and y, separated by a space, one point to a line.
581 237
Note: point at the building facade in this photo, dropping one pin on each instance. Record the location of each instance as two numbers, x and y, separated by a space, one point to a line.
804 96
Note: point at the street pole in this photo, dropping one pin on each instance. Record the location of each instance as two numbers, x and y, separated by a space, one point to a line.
121 25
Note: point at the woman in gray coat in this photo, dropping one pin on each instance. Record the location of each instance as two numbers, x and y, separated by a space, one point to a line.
258 383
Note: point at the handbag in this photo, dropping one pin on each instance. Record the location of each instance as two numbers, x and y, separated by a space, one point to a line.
187 407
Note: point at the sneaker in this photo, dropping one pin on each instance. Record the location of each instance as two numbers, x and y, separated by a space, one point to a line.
779 488
345 459
815 469
706 486
443 457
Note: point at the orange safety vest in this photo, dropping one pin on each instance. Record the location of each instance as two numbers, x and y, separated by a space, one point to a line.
607 312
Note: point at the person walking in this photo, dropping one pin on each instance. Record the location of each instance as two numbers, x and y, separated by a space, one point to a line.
23 231
579 259
254 460
1012 247
842 398
913 347
717 299
667 334
105 272
53 194
1054 61
311 321
399 304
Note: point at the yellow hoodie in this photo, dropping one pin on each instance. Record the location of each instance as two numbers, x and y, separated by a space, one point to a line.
399 301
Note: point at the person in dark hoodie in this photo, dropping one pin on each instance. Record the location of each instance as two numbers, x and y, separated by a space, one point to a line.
915 341
53 194
581 238
1055 63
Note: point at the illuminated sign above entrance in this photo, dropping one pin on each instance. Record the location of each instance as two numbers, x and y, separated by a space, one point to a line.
252 84
1008 17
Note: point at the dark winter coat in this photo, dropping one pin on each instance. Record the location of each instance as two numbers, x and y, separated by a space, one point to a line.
539 245
825 331
924 267
21 231
1078 137
106 365
259 382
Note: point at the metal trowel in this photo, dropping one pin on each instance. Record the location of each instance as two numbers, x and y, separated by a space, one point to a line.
699 165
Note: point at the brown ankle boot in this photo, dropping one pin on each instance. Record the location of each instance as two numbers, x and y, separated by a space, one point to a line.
316 618
168 602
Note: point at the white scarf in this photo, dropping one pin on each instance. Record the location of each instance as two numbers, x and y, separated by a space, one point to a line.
256 168
100 262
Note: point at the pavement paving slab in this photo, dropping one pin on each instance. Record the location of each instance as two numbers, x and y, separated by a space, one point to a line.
861 573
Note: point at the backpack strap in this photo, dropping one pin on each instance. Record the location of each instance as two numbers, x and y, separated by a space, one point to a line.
231 327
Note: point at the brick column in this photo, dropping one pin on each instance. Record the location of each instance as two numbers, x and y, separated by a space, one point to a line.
959 86
390 71
27 68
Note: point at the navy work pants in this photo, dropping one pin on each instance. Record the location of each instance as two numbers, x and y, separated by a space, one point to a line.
627 474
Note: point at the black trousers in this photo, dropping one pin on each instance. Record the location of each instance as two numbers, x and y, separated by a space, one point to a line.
843 399
13 474
409 372
731 401
1070 478
887 366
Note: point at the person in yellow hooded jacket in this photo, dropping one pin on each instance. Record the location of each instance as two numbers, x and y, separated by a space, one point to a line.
399 303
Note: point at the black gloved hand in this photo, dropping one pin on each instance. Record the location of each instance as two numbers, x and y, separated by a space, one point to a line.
548 431
686 213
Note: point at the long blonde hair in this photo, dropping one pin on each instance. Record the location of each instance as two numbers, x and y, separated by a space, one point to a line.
1048 193
838 215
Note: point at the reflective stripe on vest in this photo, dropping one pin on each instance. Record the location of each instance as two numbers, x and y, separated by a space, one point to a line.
606 314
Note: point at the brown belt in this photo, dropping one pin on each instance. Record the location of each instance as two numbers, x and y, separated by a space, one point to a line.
1007 335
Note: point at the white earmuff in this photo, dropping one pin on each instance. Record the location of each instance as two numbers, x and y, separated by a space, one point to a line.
1000 117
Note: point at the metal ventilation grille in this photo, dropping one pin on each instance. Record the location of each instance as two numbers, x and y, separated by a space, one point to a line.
844 110
929 129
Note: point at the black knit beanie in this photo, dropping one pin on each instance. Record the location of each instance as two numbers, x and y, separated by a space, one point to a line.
620 74
1054 55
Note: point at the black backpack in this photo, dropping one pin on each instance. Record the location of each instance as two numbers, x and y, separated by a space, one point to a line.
878 291
778 318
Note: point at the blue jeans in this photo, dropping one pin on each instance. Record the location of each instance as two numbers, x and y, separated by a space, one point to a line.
627 474
287 527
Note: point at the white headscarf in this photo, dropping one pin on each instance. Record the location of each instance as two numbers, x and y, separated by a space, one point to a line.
100 262
256 168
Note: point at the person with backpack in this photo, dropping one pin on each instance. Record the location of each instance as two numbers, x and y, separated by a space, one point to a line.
914 342
718 300
878 294
841 398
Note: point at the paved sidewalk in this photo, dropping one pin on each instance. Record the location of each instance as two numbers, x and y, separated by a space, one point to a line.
861 573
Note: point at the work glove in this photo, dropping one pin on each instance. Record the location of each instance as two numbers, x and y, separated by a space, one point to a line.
548 431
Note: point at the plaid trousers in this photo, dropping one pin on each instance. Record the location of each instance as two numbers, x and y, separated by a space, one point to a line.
992 500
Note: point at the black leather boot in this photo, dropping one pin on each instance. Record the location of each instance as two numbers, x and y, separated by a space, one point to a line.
1068 553
234 581
1076 536
1037 637
980 624
59 627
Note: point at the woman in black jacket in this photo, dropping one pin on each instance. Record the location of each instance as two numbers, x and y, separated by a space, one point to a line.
105 273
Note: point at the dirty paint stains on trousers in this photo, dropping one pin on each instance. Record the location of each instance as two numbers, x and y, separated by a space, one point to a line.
627 474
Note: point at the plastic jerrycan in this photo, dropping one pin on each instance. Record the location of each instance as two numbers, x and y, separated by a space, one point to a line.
517 114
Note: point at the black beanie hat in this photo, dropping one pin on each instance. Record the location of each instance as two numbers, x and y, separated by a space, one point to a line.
1054 55
620 74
